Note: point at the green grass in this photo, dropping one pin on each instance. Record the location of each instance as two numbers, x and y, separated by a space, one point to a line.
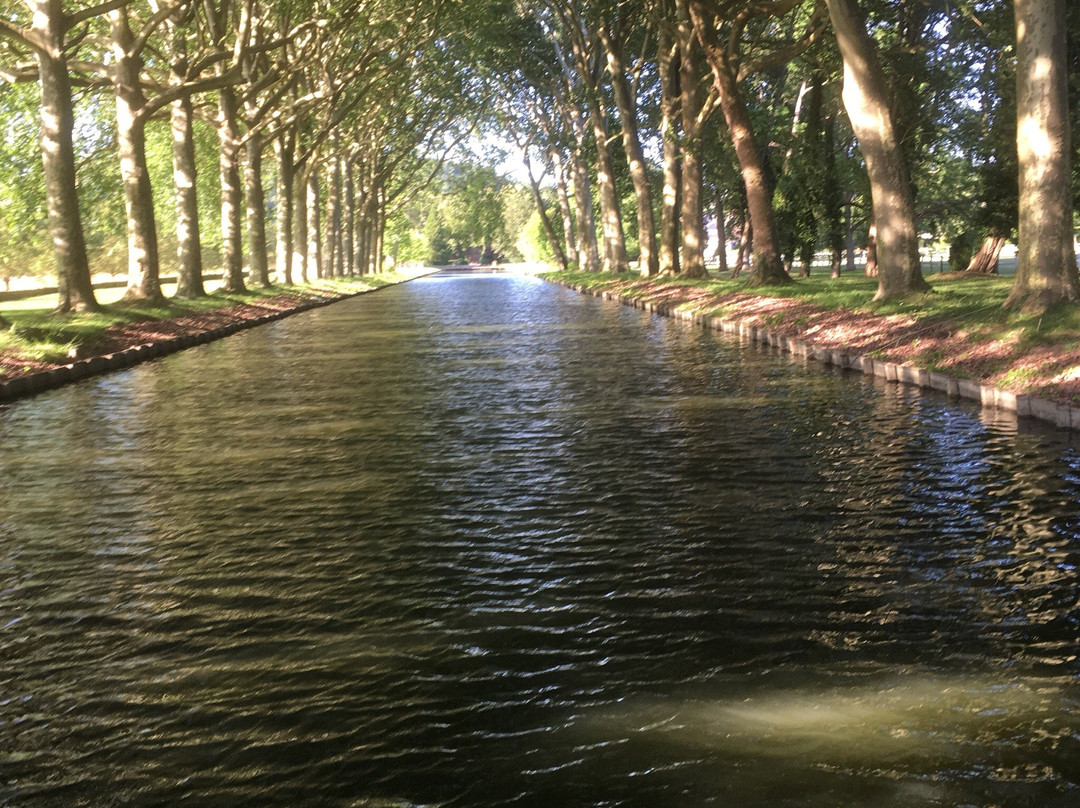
39 333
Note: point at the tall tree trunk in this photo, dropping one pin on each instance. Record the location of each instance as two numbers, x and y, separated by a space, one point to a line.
562 196
768 266
365 240
721 234
380 238
348 227
232 225
144 282
58 161
670 204
615 259
286 195
587 249
1046 274
314 224
365 217
188 240
625 103
692 213
256 210
333 240
300 226
868 102
985 259
189 274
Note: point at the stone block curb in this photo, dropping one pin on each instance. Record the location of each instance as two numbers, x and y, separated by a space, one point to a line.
1062 416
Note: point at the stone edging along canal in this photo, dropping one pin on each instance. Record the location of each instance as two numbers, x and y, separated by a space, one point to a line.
1063 416
40 382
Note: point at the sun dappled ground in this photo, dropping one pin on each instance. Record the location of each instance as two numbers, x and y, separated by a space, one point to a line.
960 328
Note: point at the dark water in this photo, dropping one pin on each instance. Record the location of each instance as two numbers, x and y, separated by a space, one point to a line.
481 541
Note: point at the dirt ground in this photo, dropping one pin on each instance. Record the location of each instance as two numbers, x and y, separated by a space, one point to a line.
13 365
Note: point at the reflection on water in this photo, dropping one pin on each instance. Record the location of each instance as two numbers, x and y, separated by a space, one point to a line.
481 541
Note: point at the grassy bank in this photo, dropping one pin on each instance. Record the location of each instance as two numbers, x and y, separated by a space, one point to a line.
40 335
960 328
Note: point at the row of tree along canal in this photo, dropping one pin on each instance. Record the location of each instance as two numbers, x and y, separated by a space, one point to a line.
901 118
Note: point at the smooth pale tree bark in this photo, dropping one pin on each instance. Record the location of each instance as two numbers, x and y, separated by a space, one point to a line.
189 274
144 282
691 208
286 196
380 238
188 241
768 267
582 78
331 237
667 58
255 199
314 224
587 248
300 227
348 227
867 100
1046 274
626 106
335 238
615 259
47 38
562 197
365 241
232 210
361 204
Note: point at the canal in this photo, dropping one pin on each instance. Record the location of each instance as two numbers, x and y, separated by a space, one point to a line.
481 541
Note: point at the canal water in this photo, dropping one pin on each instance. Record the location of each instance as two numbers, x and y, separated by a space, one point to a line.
481 541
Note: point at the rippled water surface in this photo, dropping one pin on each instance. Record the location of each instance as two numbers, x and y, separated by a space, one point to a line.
479 541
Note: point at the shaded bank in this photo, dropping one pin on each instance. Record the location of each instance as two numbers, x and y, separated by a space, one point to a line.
125 344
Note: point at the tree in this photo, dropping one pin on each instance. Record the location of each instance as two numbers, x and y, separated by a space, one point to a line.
580 54
667 64
695 106
720 26
1046 273
46 37
613 34
868 101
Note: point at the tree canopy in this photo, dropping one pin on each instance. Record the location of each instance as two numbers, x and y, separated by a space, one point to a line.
277 140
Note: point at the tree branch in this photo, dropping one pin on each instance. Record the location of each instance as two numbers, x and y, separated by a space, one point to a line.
71 20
